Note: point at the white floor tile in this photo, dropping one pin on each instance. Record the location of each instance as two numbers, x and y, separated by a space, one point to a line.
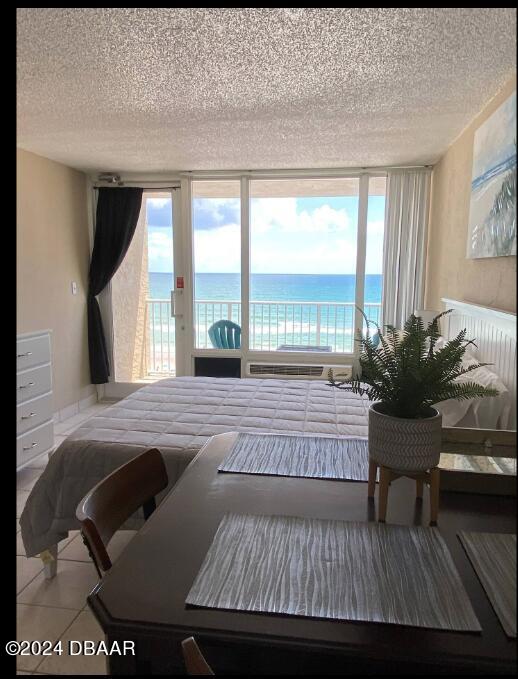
70 425
84 628
26 478
97 408
68 589
61 428
26 570
118 543
76 550
21 497
39 462
20 549
72 534
39 623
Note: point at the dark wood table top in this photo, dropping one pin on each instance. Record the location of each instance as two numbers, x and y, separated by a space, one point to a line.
147 586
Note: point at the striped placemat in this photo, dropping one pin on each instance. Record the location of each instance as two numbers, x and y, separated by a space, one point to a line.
402 575
493 556
303 456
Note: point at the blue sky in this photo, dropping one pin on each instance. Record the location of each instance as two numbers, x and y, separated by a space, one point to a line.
288 235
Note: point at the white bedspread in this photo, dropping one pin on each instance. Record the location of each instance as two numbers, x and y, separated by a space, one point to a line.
177 416
182 412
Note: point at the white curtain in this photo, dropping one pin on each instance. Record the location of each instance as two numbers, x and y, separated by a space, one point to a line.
404 258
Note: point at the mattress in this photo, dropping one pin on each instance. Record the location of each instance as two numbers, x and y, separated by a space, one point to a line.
177 416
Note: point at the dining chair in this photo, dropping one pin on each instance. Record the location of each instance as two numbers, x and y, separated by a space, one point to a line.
195 663
113 500
225 334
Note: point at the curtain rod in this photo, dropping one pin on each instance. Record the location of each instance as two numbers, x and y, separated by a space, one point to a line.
308 171
133 184
314 173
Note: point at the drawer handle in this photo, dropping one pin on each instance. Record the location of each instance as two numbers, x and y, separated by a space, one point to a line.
27 417
33 445
29 384
28 353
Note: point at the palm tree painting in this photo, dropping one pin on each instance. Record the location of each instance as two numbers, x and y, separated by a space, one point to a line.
492 216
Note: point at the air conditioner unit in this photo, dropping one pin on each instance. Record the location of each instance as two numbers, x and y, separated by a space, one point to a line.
296 371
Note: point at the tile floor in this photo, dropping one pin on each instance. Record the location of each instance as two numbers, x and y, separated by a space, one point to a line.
56 609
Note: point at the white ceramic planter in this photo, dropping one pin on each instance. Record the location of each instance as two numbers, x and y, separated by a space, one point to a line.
404 444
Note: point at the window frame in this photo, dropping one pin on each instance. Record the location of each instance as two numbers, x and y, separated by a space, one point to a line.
245 353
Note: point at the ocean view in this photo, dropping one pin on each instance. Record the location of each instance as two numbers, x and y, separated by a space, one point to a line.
272 287
285 309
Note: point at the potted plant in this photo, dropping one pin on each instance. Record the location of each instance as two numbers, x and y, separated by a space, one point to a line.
405 374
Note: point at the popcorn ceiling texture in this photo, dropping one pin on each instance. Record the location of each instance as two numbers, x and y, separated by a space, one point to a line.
154 89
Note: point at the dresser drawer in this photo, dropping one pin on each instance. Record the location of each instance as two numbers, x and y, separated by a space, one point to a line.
31 383
33 413
32 351
34 443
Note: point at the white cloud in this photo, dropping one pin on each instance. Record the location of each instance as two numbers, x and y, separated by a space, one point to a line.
320 241
270 213
324 219
158 203
376 228
312 255
216 211
160 250
218 250
281 213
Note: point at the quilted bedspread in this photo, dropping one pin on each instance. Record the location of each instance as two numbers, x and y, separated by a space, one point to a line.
178 416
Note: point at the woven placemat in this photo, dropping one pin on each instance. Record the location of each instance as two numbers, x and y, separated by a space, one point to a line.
493 556
343 570
303 456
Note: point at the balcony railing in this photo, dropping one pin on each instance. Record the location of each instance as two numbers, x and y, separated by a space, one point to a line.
327 325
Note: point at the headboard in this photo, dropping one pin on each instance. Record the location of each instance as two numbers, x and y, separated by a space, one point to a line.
494 332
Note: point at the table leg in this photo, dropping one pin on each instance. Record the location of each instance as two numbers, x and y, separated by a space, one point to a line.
373 468
383 493
419 488
434 495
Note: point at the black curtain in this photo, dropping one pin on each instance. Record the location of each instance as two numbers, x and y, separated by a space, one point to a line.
117 216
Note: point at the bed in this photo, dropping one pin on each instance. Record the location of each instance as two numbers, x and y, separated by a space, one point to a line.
177 416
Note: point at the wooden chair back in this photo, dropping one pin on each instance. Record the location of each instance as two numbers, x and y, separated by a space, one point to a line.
117 497
195 663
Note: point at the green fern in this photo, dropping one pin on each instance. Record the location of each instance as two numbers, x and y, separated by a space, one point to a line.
407 373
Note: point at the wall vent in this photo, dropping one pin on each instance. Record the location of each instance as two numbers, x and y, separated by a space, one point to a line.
294 370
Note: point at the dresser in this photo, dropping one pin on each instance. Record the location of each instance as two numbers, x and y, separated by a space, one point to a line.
34 402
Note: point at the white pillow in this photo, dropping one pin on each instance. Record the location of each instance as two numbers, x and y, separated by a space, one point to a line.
483 376
453 411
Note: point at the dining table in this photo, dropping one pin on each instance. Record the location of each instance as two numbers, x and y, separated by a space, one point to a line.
142 598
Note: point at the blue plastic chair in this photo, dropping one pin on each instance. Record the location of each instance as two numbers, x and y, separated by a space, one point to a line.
225 335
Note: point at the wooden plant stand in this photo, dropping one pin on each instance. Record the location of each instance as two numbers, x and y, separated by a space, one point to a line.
431 478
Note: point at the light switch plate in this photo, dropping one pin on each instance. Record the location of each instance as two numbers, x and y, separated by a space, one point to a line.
74 288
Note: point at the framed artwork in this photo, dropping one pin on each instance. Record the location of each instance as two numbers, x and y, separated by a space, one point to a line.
492 214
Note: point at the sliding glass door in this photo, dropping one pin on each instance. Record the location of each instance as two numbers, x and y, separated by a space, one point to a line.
144 300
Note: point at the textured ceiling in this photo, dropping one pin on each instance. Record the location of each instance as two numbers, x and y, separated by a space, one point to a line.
158 89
